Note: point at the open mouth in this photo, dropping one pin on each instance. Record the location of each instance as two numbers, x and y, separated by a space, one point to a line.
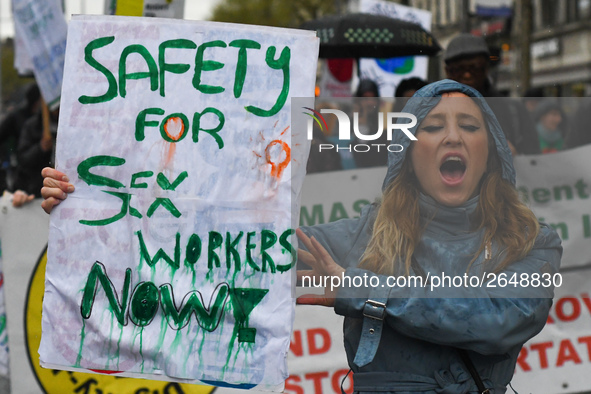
453 169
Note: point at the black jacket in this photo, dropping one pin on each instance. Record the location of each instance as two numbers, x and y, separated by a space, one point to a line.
31 158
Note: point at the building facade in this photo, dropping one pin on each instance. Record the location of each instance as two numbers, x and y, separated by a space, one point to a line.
557 32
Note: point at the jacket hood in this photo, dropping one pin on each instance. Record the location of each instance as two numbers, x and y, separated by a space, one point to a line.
423 101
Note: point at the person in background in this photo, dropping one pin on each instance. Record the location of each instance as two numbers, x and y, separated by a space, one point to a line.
405 89
551 125
531 99
19 197
36 150
11 127
467 60
368 108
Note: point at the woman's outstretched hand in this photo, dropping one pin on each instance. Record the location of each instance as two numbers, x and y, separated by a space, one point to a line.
55 188
322 268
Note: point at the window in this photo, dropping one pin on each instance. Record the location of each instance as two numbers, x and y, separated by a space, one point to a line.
550 13
448 11
572 10
584 9
577 10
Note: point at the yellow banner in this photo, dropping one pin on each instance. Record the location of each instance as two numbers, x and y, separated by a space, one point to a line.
130 7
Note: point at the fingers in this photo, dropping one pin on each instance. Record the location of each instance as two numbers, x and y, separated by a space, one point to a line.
55 192
312 247
318 256
320 253
304 239
49 172
20 198
55 184
55 188
306 257
314 299
304 273
49 203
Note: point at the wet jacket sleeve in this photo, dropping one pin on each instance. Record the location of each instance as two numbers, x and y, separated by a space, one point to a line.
342 238
483 319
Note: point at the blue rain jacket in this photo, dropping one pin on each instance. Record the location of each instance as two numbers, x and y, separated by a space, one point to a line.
415 337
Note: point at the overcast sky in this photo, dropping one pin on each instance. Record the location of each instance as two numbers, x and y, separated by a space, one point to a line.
194 10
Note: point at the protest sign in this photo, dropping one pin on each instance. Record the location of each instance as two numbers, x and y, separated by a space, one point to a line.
172 260
42 27
22 60
24 232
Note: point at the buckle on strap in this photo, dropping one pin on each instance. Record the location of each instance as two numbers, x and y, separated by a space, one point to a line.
374 310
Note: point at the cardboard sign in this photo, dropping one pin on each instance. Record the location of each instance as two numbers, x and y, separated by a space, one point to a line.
172 259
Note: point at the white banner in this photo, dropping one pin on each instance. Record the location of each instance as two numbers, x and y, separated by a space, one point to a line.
42 27
388 73
179 240
557 187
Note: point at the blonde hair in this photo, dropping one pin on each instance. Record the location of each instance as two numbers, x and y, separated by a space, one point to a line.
397 228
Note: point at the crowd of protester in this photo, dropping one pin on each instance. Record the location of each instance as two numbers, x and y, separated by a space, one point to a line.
534 124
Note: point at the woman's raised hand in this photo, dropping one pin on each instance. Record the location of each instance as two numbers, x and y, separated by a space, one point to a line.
55 188
322 268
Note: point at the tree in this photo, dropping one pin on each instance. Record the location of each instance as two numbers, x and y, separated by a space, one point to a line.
10 81
279 13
